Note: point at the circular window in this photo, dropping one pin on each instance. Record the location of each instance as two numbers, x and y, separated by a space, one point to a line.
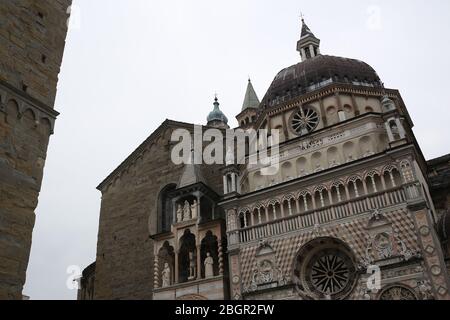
397 293
304 120
328 272
325 270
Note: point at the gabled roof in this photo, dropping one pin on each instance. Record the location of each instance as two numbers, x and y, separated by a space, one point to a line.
139 150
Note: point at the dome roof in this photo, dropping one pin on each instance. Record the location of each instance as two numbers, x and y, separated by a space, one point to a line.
316 72
217 114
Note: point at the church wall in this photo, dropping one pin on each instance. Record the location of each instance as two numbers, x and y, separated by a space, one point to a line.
128 215
32 40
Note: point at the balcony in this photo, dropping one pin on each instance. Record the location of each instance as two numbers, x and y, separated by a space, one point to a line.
309 219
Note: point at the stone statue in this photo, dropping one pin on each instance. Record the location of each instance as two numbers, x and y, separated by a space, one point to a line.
209 266
186 211
166 275
194 210
179 213
192 266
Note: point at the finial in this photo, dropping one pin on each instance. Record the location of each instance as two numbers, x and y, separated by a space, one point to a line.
216 97
302 17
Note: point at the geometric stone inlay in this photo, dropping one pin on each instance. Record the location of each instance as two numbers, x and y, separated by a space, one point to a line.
429 249
436 270
424 231
442 291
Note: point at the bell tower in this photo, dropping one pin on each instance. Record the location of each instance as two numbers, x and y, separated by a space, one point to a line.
309 44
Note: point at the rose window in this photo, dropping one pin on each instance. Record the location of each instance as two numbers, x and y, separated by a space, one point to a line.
304 121
329 272
325 269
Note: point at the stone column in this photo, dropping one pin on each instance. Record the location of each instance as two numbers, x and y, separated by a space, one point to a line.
311 49
156 272
198 208
330 196
225 184
220 256
303 54
389 132
199 263
233 182
176 266
401 130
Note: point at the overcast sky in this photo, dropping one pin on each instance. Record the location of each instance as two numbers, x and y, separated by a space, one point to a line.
129 65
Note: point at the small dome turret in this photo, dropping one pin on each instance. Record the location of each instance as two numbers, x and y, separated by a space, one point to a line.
217 118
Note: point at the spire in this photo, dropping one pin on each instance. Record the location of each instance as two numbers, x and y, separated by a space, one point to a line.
308 45
251 99
305 30
216 118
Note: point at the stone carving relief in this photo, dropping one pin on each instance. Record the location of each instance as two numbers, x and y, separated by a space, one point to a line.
179 213
425 291
267 273
383 243
186 211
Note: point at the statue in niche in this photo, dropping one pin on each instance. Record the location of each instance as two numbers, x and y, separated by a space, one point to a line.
209 266
186 211
179 213
166 275
194 210
192 266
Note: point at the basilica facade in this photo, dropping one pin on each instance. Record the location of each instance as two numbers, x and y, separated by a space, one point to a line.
347 214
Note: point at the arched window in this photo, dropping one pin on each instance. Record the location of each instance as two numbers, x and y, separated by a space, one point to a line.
209 245
186 256
165 209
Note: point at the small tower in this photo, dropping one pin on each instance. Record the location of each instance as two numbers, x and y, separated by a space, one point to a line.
230 174
216 118
249 108
393 124
308 45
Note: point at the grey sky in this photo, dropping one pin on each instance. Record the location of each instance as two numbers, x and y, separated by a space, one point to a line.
129 65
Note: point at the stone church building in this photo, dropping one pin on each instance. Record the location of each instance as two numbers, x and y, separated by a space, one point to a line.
353 212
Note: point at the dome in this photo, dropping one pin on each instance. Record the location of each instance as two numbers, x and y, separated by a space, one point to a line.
316 72
217 115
